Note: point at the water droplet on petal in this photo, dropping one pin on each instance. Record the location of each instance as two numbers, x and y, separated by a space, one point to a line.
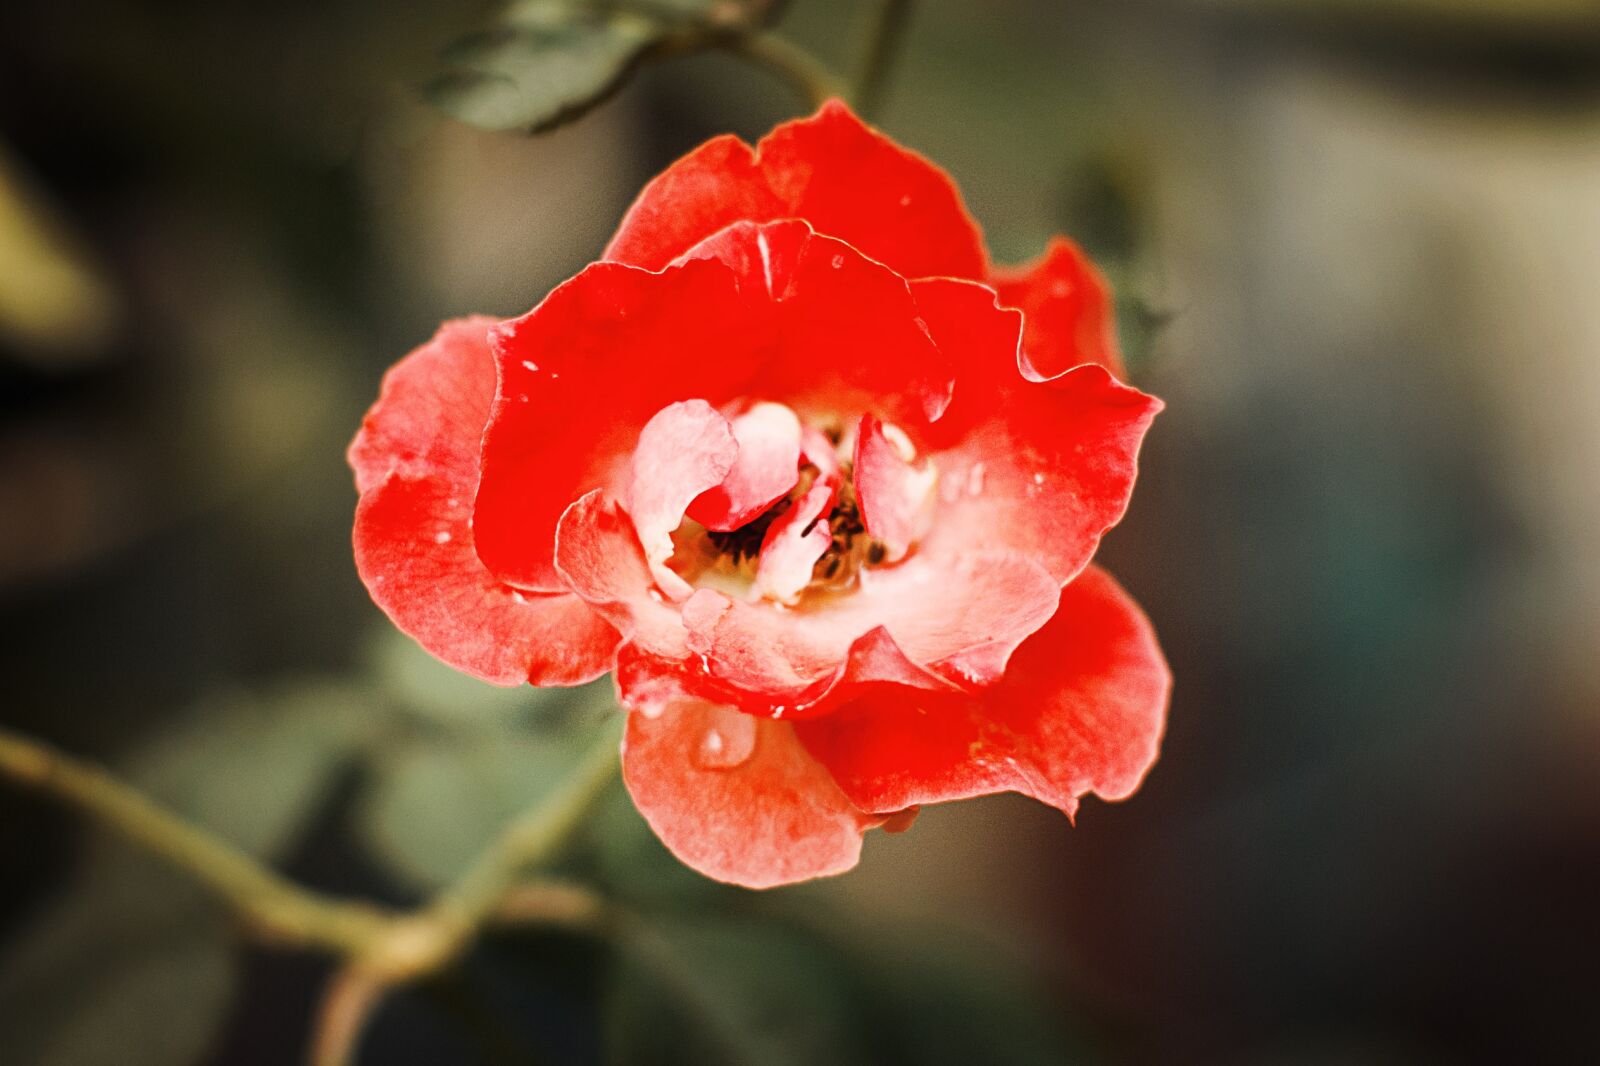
442 537
728 741
528 364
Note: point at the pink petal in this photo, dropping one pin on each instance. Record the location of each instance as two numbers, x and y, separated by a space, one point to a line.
794 542
945 622
895 496
767 467
1081 709
599 557
684 450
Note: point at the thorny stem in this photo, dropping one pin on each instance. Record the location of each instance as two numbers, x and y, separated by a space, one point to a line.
883 43
378 948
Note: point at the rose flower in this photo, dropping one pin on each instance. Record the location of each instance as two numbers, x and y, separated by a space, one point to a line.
820 484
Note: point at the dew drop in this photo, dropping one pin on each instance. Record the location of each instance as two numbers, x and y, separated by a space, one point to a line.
529 364
729 740
519 597
442 537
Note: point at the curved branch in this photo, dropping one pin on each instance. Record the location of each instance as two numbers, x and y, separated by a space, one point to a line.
273 906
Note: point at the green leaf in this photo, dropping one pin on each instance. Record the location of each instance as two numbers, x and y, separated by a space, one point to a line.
131 968
724 989
548 61
944 1001
434 691
439 797
133 965
254 768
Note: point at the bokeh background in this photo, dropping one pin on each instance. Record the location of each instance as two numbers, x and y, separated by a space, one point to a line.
1356 245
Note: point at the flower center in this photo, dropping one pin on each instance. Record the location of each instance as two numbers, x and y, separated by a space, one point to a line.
818 537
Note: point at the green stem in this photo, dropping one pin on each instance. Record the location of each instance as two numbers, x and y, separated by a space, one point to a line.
809 76
883 44
275 907
534 837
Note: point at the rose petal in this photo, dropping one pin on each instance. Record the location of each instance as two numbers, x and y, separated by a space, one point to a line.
947 621
767 467
846 179
794 542
599 557
1081 709
895 496
684 450
1069 310
416 468
580 375
847 329
1041 467
737 798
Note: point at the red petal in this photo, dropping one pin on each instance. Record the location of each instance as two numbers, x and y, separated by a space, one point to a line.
416 468
848 332
766 469
684 450
737 798
580 375
848 180
1080 709
896 497
928 622
1070 313
1041 467
431 409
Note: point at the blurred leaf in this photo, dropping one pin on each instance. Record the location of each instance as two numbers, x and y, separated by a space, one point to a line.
438 797
53 299
633 864
549 61
940 1002
1140 325
132 968
771 979
435 691
729 990
255 768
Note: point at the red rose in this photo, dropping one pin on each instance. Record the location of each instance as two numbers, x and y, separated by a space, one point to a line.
819 483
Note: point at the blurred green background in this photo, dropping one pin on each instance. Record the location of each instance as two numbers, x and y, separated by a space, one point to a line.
1355 243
